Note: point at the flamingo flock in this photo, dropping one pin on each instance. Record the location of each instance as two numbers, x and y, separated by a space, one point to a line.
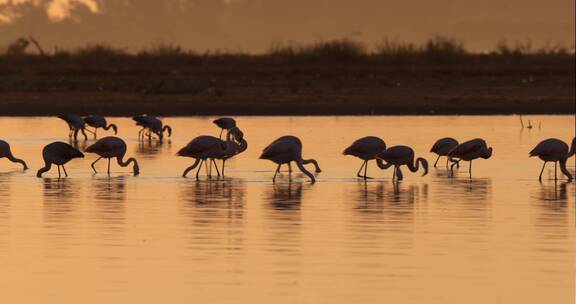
207 149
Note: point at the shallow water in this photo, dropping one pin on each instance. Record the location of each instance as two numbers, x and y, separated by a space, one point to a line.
500 237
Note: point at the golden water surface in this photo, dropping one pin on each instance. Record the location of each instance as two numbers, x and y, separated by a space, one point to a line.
501 237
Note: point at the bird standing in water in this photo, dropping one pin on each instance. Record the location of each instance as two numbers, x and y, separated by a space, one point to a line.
401 156
554 150
285 150
97 121
5 151
75 124
58 153
442 147
112 147
469 151
225 123
365 148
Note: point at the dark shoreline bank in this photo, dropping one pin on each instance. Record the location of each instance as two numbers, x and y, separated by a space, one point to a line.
535 85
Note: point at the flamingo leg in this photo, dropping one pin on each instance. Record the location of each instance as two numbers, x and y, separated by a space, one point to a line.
437 161
95 130
221 131
94 163
76 134
198 172
360 170
223 166
365 169
275 173
84 133
290 167
394 173
190 168
470 169
542 171
108 166
58 166
216 166
65 173
555 170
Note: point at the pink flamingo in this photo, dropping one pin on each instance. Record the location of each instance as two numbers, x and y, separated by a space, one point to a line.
75 124
97 121
153 125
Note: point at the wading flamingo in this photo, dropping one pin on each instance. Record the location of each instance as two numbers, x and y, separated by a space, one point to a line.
442 147
97 121
399 156
235 150
58 153
153 125
554 150
6 152
365 148
225 123
207 147
112 147
75 124
469 151
285 150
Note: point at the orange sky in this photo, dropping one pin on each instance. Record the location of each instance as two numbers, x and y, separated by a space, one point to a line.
252 25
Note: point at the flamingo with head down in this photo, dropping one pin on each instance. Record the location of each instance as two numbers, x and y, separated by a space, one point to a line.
554 150
5 151
58 153
285 150
469 151
97 121
112 147
398 156
365 148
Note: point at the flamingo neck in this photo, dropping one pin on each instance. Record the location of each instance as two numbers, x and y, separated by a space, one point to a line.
301 167
565 170
383 165
127 162
46 168
17 160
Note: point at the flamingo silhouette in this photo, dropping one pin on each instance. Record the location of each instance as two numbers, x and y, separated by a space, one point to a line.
153 125
399 156
58 153
75 124
207 147
5 151
442 147
225 123
365 148
97 121
112 147
469 151
236 149
285 150
554 150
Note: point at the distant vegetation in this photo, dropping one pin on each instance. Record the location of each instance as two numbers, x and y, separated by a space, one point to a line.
435 50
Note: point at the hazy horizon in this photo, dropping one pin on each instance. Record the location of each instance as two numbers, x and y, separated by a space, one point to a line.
253 26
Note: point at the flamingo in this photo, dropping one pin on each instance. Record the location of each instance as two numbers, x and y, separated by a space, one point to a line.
6 152
239 136
97 121
285 150
442 147
207 147
398 156
58 153
225 123
554 150
112 147
153 124
469 151
76 124
365 148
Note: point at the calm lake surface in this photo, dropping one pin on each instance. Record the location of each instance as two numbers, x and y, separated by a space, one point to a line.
501 237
